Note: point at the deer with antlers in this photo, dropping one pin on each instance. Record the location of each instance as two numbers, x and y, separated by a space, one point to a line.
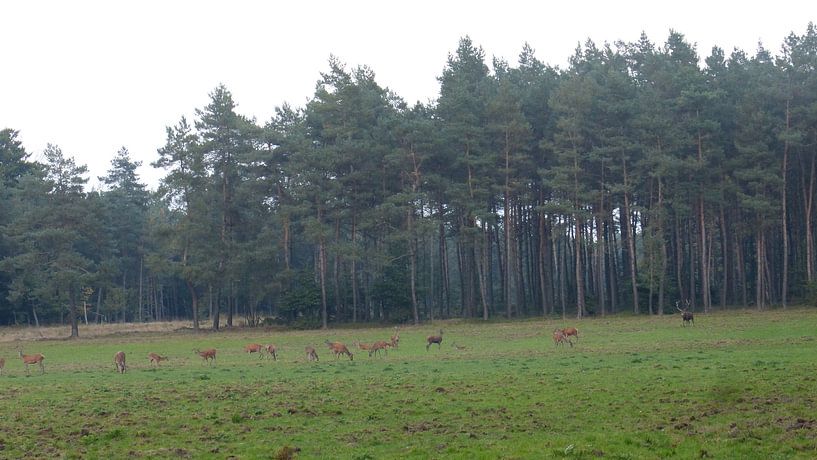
32 359
119 361
377 346
686 315
156 358
432 339
339 349
208 355
311 354
395 339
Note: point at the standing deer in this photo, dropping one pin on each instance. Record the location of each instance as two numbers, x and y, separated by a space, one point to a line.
119 361
208 355
32 359
254 348
432 339
339 349
272 350
2 365
377 346
395 339
559 338
571 331
686 315
156 359
311 354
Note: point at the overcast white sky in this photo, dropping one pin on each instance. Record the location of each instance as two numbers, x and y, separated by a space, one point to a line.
93 76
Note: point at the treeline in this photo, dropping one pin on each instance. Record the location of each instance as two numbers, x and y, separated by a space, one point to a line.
634 178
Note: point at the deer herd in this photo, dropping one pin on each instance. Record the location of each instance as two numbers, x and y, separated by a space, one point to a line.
561 336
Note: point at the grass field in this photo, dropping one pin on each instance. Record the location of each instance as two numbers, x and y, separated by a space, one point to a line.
736 385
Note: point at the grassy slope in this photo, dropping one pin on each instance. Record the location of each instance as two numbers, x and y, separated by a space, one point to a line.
737 385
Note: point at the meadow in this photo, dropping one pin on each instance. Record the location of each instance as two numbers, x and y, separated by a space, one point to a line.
740 384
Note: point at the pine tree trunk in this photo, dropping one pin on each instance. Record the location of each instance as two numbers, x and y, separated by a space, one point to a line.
322 275
630 240
72 310
353 270
413 262
194 301
579 269
785 173
808 195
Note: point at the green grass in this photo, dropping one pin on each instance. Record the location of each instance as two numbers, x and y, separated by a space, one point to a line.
736 385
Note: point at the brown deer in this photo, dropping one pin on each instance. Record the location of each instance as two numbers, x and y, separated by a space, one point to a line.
208 355
363 346
339 349
119 361
432 339
395 339
311 354
377 346
571 331
559 338
686 315
2 365
272 350
254 348
156 359
458 347
32 359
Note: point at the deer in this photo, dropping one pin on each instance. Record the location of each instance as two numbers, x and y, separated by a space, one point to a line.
686 315
395 339
2 365
119 361
559 338
571 331
156 359
339 349
208 355
254 348
272 350
362 346
432 339
458 347
377 346
32 359
311 354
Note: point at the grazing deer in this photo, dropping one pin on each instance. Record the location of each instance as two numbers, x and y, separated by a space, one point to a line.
559 338
119 361
571 331
395 339
156 359
254 348
2 365
272 350
458 347
339 349
32 359
311 354
208 355
432 339
686 315
377 346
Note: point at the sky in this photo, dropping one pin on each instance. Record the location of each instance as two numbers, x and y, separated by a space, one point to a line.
94 76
